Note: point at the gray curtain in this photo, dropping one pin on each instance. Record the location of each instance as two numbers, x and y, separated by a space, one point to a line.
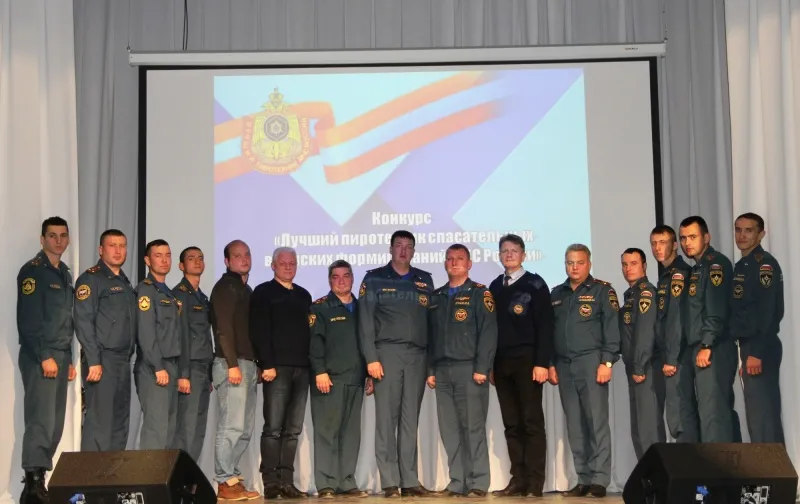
695 124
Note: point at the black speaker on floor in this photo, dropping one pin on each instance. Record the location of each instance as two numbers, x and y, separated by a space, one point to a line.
712 473
129 477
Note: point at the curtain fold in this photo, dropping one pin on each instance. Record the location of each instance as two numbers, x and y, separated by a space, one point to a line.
38 179
694 132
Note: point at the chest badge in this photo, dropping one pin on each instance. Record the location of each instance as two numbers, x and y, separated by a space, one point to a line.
585 310
626 317
518 309
661 303
461 315
738 291
423 300
692 289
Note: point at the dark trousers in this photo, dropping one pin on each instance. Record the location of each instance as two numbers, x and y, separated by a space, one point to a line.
681 401
762 393
461 406
398 397
337 434
108 404
45 406
646 401
284 410
193 411
520 401
159 405
714 386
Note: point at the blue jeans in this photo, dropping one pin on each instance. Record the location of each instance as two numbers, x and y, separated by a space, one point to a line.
237 413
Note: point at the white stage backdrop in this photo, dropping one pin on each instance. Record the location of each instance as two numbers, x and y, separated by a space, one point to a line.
558 153
38 179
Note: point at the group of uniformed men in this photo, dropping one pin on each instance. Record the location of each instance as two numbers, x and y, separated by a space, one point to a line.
677 339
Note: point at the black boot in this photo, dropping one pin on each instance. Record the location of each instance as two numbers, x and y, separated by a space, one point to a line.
34 491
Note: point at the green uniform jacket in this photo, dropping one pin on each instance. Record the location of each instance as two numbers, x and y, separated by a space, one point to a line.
44 307
708 304
198 320
105 308
463 327
638 326
757 307
670 337
333 347
393 310
586 320
162 329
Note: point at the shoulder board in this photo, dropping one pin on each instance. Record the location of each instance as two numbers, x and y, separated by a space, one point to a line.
759 256
321 300
479 285
93 269
419 271
643 285
710 257
601 282
147 281
183 288
36 261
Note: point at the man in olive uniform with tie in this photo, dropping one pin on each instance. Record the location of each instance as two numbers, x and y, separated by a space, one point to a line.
707 327
162 363
194 397
681 402
639 353
461 348
44 323
393 331
338 374
105 310
757 311
586 345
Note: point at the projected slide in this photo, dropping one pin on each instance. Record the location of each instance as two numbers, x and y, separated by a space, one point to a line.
333 163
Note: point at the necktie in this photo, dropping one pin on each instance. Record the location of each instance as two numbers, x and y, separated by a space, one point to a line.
505 280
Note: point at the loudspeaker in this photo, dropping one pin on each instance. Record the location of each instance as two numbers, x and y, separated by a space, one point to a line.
129 477
713 473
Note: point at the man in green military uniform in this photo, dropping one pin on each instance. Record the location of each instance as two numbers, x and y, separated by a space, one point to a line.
707 328
681 402
105 320
193 401
586 345
639 353
338 374
461 349
393 332
757 311
44 323
162 351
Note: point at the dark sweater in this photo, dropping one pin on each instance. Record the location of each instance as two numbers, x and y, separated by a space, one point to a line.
279 325
230 309
525 320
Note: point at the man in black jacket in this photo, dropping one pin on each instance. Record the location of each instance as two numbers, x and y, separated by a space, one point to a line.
524 346
279 331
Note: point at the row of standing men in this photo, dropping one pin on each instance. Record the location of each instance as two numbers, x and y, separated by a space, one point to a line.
403 333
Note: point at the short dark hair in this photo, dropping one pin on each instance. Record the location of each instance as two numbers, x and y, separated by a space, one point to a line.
186 251
664 229
111 232
695 219
227 251
515 239
53 221
458 246
634 250
755 217
339 263
402 233
155 243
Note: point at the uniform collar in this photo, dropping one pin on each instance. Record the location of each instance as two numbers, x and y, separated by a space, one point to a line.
467 285
586 283
391 273
43 259
637 282
105 269
158 285
334 301
707 255
758 250
186 283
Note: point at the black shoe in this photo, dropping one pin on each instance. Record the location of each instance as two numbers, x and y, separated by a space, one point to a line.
597 491
288 491
476 493
392 491
448 493
34 491
513 489
272 491
354 492
534 492
417 491
576 491
326 493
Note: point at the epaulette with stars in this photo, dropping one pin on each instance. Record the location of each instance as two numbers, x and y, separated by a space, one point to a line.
36 261
93 269
147 281
479 285
601 282
183 288
321 300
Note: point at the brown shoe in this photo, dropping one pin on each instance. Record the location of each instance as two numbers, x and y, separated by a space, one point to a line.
247 493
231 492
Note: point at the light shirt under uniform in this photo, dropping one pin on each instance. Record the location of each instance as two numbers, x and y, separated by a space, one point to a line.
513 277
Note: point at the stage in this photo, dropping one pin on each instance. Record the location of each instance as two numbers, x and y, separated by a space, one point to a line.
549 497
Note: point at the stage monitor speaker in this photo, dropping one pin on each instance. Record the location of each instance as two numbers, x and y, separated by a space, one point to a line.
129 477
712 473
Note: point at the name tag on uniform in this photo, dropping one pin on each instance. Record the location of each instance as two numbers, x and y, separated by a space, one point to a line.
55 286
338 319
556 303
166 301
197 307
388 290
115 289
462 300
585 299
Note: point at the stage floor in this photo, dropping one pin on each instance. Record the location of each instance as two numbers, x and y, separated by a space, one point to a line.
379 499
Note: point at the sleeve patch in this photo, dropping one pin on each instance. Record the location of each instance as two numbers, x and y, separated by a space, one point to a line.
612 298
646 293
312 319
677 276
28 286
83 292
644 305
144 303
362 290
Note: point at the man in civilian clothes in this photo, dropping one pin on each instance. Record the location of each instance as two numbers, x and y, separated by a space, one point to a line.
524 348
279 331
234 372
193 401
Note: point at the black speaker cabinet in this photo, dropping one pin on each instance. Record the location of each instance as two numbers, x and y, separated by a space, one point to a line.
129 477
712 473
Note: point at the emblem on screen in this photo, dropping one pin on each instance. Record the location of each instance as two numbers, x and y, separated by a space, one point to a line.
276 141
